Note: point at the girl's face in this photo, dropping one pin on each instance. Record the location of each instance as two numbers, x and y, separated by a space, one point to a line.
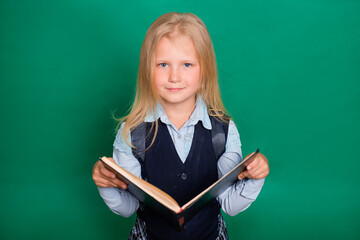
177 71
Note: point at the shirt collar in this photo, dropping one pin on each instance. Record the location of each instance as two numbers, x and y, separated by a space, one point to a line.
200 113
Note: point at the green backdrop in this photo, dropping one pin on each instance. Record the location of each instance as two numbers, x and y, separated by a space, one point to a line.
289 73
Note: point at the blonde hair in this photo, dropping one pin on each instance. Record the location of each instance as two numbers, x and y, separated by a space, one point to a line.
168 25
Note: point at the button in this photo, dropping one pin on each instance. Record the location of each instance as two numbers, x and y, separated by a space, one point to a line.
179 136
184 176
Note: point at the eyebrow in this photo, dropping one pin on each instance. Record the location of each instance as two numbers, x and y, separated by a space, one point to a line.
184 60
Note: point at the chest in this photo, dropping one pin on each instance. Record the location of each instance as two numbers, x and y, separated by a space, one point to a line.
181 180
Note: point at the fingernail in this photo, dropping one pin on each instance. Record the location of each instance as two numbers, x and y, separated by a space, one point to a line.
248 167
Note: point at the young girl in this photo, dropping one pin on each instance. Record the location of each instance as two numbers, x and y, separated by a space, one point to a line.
178 105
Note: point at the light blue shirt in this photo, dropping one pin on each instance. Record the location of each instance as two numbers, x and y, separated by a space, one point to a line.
235 199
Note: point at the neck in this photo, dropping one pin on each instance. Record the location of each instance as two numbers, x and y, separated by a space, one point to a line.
179 114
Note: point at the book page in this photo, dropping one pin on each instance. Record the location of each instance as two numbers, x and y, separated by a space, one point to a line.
138 186
222 184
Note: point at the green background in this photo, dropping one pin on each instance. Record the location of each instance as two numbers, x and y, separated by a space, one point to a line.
289 73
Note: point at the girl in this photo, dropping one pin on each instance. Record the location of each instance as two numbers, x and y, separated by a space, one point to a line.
178 106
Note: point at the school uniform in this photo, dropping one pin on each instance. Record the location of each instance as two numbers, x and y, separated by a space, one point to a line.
182 163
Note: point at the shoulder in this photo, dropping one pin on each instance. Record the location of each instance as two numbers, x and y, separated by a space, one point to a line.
233 139
120 143
232 130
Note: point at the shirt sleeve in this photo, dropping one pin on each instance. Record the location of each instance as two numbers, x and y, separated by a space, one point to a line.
241 194
118 200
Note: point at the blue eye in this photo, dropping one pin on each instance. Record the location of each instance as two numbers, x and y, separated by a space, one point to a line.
187 65
163 65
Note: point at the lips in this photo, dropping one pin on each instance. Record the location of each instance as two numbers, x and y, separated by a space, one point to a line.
174 89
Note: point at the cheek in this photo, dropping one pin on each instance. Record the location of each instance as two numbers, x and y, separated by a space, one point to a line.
195 78
159 76
157 79
157 85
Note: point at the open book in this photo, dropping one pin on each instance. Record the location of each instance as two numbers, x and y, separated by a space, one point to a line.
163 203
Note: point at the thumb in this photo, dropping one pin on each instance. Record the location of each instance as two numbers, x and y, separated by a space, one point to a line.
243 175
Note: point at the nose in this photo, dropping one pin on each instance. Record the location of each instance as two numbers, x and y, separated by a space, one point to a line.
174 75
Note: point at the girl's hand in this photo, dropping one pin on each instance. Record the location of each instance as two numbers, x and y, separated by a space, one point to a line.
105 178
256 169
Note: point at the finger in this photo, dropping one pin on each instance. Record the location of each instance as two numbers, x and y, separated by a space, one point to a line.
109 182
119 183
255 173
96 167
256 165
105 178
253 164
104 183
106 173
243 175
263 164
260 161
97 175
264 173
263 157
260 173
248 162
104 170
102 180
100 169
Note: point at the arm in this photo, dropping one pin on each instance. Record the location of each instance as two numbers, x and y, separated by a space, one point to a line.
239 196
116 198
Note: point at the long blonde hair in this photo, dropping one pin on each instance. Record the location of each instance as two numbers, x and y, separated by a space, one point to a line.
167 25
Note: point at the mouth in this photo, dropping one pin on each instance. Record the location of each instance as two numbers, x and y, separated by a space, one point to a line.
174 89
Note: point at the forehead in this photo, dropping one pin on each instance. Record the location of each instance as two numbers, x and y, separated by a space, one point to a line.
176 46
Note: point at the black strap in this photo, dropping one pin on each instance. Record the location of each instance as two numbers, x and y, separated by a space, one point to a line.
219 135
138 138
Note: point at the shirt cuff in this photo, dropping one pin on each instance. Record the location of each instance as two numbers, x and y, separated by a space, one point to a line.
108 193
119 201
250 188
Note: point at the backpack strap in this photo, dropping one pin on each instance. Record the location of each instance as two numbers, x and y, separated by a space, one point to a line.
138 137
219 134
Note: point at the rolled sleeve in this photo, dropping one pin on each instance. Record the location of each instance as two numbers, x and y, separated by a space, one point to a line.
243 193
118 200
250 188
